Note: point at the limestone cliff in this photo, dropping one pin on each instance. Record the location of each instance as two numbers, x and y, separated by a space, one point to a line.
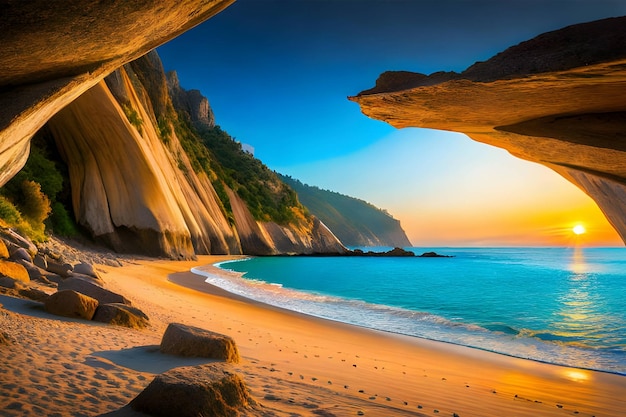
50 54
135 186
557 99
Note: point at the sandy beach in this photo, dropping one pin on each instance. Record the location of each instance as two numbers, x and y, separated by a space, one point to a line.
294 365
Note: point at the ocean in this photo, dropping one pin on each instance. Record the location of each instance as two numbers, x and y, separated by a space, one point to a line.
565 306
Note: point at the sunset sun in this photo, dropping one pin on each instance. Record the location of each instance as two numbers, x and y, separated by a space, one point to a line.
579 229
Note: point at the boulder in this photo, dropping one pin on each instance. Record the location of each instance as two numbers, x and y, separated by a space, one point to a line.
14 270
62 269
70 303
40 261
14 239
8 282
5 339
121 315
4 251
33 294
93 290
36 273
86 269
183 340
21 254
208 390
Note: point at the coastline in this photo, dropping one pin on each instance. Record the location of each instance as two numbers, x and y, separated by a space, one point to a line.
292 363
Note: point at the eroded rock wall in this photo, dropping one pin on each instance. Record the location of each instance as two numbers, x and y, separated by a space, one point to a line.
51 54
557 100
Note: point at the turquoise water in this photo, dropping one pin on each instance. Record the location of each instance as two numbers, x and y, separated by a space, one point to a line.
558 305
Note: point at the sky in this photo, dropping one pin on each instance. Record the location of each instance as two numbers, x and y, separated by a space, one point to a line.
277 74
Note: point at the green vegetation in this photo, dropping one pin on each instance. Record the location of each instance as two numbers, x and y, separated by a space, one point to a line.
133 117
355 222
216 153
268 198
31 200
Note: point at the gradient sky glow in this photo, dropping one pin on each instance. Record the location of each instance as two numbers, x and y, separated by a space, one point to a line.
277 74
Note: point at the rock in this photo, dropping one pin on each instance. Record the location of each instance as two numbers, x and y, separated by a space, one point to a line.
4 251
209 390
93 290
556 100
89 278
64 270
33 294
40 261
34 272
68 303
13 238
8 282
434 255
14 270
86 269
5 339
395 252
21 254
183 340
121 315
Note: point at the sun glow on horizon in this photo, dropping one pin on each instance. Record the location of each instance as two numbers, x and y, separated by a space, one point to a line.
579 229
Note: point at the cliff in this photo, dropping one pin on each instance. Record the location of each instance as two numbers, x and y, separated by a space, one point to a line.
355 222
140 179
143 180
556 100
50 55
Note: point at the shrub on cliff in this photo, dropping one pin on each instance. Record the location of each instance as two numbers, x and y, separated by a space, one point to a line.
33 194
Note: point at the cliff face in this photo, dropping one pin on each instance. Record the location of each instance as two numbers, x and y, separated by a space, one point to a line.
51 54
355 222
134 186
557 99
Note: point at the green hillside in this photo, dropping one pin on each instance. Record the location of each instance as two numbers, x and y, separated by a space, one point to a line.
355 222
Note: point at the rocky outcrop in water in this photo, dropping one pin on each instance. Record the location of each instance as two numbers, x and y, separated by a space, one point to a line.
556 99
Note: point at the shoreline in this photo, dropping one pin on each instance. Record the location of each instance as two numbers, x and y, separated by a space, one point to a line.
292 363
574 374
219 271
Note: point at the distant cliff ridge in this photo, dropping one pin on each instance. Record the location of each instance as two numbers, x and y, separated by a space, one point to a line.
557 99
355 222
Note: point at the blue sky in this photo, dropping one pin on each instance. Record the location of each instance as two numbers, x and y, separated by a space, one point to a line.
277 74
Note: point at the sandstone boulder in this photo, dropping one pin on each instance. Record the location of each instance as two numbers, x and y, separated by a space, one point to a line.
21 254
93 290
15 240
62 269
86 269
40 261
10 283
33 294
121 315
183 340
68 303
209 390
4 251
14 270
34 272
